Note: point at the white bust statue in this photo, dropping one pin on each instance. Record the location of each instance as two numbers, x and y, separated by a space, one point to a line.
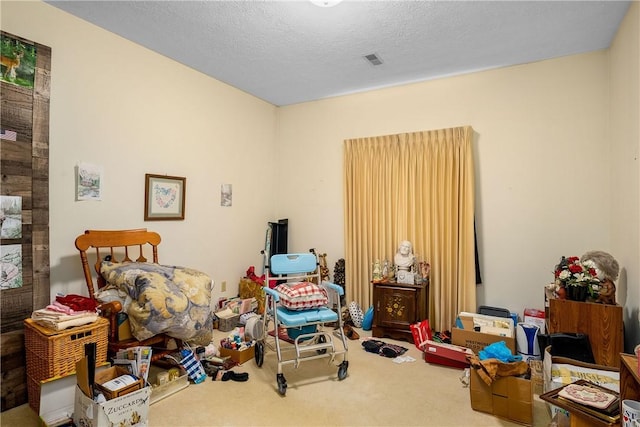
404 257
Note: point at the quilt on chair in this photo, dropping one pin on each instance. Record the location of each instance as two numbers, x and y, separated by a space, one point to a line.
162 299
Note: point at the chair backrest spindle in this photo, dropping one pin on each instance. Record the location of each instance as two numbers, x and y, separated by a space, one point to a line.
112 240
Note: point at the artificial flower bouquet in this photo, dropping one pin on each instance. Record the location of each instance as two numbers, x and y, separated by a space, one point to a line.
571 272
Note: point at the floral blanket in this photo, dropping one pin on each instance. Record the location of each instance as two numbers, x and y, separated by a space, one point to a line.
163 299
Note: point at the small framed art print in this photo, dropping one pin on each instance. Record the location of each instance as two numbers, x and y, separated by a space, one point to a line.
164 197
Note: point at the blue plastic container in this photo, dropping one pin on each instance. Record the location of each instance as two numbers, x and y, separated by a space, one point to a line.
294 333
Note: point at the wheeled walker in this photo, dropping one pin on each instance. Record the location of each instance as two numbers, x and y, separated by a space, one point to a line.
297 313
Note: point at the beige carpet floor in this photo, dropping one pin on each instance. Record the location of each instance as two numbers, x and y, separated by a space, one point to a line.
376 392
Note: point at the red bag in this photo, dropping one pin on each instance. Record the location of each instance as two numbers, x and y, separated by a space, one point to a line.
421 332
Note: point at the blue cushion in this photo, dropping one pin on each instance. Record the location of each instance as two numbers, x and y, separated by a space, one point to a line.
301 317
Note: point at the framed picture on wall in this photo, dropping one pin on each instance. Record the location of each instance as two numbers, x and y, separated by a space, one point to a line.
164 197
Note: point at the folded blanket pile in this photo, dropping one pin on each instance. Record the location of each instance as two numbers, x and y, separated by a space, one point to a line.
58 321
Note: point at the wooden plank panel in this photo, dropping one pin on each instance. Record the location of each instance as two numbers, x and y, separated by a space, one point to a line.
15 185
39 217
13 385
18 99
15 151
40 138
17 113
41 267
40 193
40 173
25 173
43 60
40 168
16 306
13 168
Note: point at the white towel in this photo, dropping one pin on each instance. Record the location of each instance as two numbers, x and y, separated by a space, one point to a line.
60 321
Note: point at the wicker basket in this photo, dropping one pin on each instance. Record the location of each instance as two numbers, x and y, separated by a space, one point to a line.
52 354
33 393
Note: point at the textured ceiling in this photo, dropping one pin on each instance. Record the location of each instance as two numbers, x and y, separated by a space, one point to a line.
287 52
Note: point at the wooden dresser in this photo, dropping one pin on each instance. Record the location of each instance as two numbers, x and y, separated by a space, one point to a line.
396 306
629 378
601 322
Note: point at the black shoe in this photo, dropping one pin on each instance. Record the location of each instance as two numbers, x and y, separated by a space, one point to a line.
235 376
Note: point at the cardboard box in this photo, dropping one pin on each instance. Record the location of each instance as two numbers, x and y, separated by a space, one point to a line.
111 373
537 376
507 397
476 341
130 410
57 398
238 356
446 354
560 371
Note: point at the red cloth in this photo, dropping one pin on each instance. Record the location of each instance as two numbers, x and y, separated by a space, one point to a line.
77 302
251 274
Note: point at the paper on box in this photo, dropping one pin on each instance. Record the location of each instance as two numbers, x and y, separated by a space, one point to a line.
472 320
477 341
129 410
501 332
560 371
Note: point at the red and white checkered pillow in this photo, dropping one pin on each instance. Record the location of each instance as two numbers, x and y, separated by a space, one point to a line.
302 295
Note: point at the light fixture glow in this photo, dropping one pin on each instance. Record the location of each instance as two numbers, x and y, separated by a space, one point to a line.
325 3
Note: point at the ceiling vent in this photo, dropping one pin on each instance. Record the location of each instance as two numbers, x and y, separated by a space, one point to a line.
373 59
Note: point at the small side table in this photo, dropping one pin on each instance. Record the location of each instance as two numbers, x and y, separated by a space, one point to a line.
396 306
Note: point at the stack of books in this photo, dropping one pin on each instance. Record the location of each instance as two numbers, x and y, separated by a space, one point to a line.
136 360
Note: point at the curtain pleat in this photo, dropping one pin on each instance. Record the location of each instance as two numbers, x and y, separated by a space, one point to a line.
417 187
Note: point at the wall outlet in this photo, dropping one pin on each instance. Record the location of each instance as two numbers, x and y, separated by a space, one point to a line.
223 286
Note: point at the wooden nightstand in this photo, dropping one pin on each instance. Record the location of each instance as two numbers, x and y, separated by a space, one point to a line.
396 306
601 322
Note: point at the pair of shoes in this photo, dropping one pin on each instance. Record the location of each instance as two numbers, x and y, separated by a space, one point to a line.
350 333
235 376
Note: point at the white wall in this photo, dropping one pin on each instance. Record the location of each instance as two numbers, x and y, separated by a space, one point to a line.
624 81
557 172
541 140
555 145
119 105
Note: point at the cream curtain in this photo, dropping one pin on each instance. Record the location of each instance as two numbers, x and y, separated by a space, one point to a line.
417 187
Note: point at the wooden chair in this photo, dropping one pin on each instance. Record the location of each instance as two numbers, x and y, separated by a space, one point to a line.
118 244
